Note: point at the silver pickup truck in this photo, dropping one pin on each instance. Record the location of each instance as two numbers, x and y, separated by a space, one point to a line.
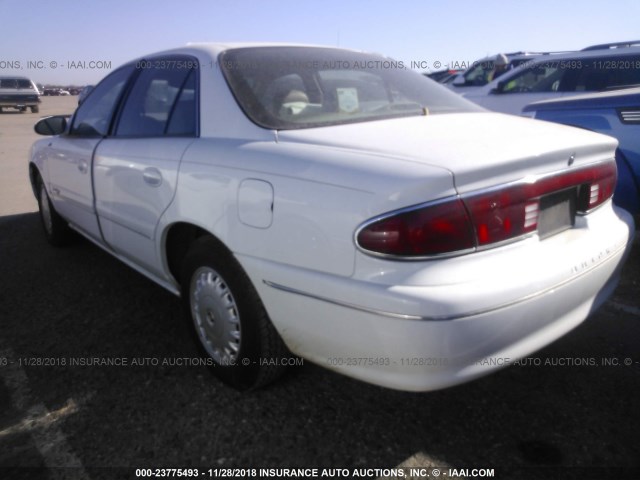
19 93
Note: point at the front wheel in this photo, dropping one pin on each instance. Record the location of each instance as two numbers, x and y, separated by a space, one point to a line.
56 229
229 320
35 109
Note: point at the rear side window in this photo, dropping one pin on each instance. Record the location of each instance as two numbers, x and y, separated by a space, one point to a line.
24 83
8 83
162 100
606 74
182 121
576 75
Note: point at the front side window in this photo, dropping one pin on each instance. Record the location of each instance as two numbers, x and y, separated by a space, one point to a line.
303 87
480 74
93 117
162 101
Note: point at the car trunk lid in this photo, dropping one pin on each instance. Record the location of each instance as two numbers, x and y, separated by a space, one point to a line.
480 149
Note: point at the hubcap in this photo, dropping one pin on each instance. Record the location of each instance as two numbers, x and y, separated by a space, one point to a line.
45 210
215 315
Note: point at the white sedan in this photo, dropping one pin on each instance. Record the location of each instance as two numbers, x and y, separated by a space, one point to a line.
335 205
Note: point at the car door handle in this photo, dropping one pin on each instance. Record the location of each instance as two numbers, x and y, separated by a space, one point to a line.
152 176
83 166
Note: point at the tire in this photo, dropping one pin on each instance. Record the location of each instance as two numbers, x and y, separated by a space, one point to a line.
56 229
35 109
228 318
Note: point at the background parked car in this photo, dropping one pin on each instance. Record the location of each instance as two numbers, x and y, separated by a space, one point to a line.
612 113
594 69
19 93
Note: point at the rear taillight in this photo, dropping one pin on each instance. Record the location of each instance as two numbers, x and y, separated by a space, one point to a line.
462 224
431 230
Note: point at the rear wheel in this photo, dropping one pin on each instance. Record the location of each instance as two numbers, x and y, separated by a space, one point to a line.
56 229
228 318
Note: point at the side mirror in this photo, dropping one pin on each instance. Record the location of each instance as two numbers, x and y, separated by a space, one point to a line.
54 125
459 81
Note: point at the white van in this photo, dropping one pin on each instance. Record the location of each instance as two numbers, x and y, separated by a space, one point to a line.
19 93
594 69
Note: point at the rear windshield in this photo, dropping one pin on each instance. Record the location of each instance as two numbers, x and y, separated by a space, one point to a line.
16 83
8 83
301 87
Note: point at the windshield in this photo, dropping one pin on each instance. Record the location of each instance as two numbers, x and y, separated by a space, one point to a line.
301 87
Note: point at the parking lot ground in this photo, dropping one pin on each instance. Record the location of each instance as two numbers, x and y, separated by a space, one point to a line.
16 137
571 411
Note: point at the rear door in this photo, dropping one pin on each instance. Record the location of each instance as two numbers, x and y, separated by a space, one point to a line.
136 169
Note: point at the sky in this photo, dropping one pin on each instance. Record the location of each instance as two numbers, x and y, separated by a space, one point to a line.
73 42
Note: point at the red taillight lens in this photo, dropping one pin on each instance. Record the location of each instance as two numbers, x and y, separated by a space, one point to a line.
430 230
504 214
512 211
480 219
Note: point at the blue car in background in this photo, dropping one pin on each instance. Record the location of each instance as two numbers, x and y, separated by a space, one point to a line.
614 113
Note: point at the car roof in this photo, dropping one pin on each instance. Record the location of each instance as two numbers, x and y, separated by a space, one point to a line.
215 48
606 46
612 99
211 50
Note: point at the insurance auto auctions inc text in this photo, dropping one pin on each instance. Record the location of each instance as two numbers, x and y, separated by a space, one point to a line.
399 472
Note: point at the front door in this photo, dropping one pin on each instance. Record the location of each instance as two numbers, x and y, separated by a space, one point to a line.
70 156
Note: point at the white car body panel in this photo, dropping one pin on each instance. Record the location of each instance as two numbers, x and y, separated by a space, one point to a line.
313 187
287 204
509 148
135 181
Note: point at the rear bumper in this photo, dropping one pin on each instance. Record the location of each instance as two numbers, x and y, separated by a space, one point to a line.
442 323
6 101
